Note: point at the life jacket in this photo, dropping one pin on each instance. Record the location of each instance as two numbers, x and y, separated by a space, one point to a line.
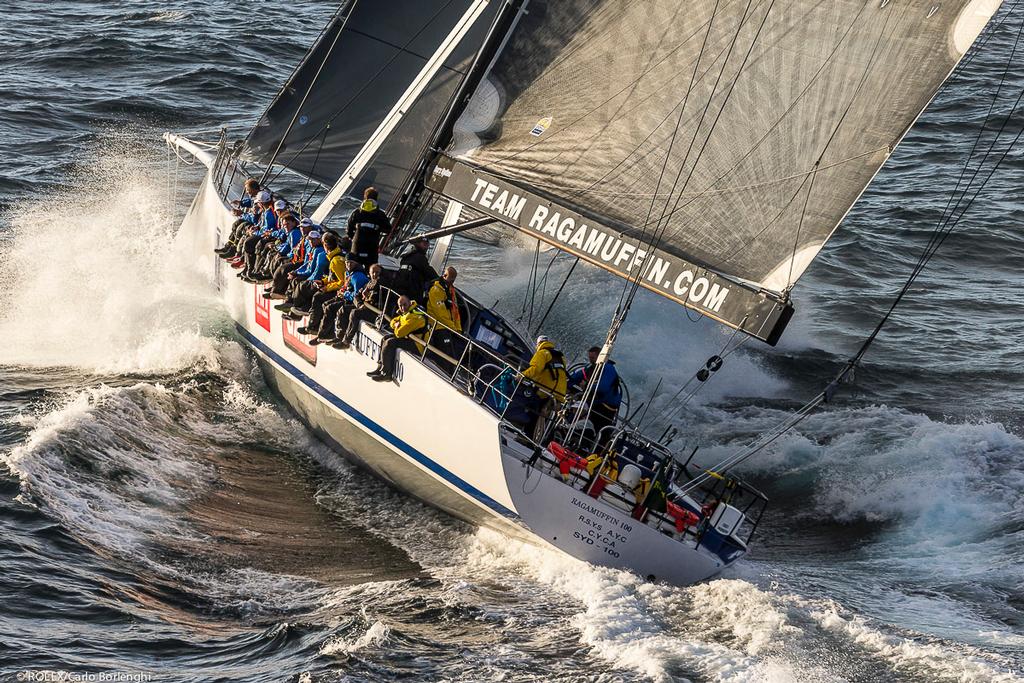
556 364
410 317
299 253
449 302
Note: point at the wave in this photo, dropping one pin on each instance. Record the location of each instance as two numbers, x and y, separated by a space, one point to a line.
91 278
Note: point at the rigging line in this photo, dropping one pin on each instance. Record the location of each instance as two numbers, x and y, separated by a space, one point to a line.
979 45
947 212
711 130
658 90
554 299
628 101
628 286
284 86
675 130
555 253
799 228
631 286
555 133
933 94
678 408
312 170
530 284
828 143
373 78
714 123
656 237
778 121
535 275
305 96
763 442
944 227
671 408
947 229
642 157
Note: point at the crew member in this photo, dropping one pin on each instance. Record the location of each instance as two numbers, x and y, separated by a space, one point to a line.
547 370
366 226
370 299
302 289
607 393
326 288
296 258
243 210
415 270
324 328
443 306
408 321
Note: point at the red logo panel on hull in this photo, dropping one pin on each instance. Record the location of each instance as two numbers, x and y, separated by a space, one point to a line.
297 342
262 309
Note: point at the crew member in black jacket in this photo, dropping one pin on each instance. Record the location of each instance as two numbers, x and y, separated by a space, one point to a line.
368 300
366 226
416 272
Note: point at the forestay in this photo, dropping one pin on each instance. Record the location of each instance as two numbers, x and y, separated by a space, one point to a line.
730 134
350 79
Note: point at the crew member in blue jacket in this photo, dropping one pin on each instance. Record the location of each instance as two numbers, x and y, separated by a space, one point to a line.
608 392
315 268
267 225
242 209
323 319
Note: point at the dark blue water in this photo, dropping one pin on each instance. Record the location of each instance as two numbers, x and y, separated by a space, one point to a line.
162 514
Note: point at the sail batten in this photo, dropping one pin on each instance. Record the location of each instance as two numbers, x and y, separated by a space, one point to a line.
731 133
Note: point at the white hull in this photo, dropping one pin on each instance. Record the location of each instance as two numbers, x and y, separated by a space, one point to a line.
426 437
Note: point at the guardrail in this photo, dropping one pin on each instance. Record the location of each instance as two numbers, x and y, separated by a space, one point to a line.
474 363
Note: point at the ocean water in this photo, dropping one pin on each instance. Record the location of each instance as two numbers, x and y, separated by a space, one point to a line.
162 514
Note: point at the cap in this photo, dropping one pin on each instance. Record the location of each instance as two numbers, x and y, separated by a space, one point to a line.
421 238
541 339
280 205
263 197
594 349
306 223
314 235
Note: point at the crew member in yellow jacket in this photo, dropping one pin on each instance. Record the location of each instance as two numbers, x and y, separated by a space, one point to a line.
547 370
408 321
443 307
328 286
443 301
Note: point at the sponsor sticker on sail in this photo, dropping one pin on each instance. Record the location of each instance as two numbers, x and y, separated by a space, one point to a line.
541 126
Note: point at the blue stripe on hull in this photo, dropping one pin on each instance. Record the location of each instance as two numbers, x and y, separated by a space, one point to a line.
377 429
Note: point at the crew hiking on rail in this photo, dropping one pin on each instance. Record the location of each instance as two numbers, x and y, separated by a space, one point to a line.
334 282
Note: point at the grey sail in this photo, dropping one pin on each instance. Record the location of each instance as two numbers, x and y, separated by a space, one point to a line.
728 135
350 80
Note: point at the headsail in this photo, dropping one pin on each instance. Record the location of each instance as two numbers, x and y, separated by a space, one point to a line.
351 78
731 135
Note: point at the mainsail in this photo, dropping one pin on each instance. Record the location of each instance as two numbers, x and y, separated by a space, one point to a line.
716 143
349 81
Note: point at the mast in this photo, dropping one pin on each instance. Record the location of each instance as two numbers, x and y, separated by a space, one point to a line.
409 200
